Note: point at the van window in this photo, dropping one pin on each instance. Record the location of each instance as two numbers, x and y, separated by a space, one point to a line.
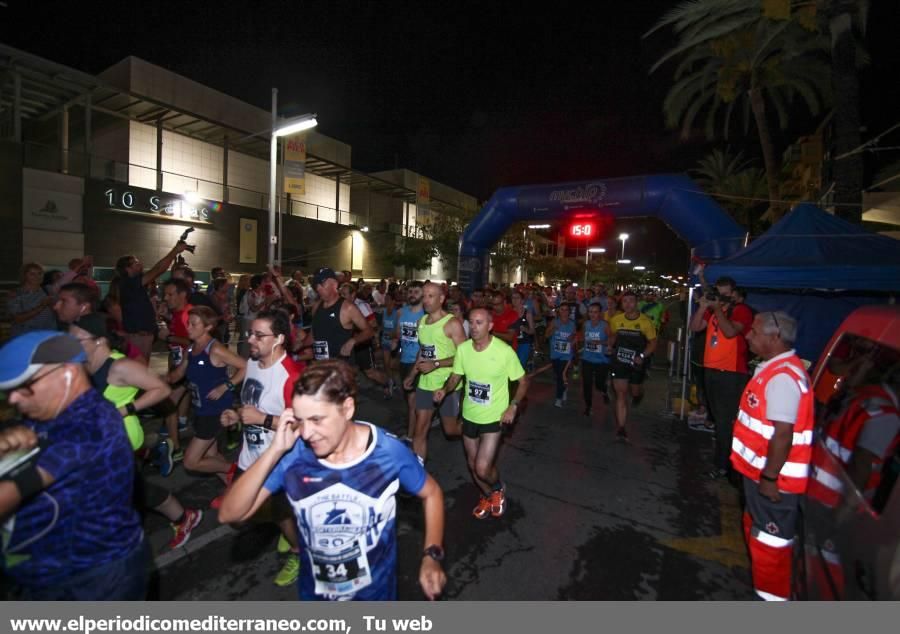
858 415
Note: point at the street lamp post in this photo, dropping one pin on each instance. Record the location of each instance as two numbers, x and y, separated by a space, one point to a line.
623 237
279 129
587 260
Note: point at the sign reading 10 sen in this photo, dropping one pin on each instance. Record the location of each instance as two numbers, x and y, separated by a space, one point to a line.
154 203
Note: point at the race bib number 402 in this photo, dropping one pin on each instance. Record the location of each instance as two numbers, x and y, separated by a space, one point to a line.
429 352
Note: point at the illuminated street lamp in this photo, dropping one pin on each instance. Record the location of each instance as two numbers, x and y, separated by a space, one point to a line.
623 237
587 258
281 128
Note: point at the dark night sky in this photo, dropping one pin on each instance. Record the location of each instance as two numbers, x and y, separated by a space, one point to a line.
476 95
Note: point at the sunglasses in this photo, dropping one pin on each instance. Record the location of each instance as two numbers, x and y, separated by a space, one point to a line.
27 386
259 335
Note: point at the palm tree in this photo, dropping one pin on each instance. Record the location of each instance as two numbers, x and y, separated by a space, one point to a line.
732 57
740 185
847 24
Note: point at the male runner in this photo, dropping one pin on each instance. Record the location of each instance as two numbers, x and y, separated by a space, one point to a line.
632 339
362 353
439 335
266 393
406 336
334 321
489 365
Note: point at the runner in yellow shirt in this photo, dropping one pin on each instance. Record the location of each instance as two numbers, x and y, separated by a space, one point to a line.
489 365
632 341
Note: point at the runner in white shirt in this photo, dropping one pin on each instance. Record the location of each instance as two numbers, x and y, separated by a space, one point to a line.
265 395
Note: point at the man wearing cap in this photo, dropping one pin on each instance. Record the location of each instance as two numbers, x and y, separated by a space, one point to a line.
69 528
335 319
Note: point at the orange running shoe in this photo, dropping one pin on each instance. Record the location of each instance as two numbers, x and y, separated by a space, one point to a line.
497 501
483 509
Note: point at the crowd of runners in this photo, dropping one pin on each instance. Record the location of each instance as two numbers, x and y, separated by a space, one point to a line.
272 363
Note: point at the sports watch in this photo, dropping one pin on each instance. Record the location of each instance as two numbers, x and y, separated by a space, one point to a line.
435 552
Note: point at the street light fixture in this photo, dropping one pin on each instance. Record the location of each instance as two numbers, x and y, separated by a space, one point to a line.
640 268
587 257
623 237
279 129
624 261
538 226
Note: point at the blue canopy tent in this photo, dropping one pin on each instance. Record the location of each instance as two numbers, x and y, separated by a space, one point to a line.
817 268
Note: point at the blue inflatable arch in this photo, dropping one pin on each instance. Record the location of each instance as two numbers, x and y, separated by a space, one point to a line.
673 198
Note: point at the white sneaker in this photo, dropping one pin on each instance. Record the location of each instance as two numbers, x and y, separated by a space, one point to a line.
558 402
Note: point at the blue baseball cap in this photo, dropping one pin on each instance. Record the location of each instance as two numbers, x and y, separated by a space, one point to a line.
22 357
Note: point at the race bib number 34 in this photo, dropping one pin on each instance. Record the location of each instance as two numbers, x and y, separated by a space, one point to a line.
342 572
480 393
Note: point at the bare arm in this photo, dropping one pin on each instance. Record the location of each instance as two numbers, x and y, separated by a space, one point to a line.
163 265
730 329
779 448
431 575
128 372
698 324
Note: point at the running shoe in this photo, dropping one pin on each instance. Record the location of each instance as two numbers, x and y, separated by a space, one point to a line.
229 475
483 509
164 457
700 426
192 518
565 394
621 434
284 546
163 432
497 501
177 454
232 438
557 402
575 372
289 571
182 426
718 474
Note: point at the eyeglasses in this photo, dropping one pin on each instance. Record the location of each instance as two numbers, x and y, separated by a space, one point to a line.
27 386
777 325
259 335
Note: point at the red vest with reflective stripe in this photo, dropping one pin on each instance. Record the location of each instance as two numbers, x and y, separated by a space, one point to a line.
753 431
840 438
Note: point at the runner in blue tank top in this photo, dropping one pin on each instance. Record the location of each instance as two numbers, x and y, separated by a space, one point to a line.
561 335
389 318
406 336
594 362
206 368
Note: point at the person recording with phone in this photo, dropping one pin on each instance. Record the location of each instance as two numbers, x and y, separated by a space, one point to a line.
726 322
138 315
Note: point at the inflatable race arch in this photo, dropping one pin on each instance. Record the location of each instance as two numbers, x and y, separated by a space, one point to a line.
673 198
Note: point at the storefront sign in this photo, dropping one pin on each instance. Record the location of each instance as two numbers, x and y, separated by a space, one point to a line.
248 241
51 201
295 165
145 201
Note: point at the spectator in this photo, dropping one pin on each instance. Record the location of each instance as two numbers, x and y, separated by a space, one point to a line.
196 298
138 315
30 306
73 302
725 370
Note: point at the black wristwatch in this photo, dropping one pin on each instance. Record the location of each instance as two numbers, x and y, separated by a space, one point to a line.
267 423
435 552
229 386
131 409
763 476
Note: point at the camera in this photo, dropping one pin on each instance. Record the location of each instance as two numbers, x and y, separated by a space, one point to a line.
184 237
712 294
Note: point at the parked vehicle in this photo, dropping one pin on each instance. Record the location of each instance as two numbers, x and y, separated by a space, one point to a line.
848 546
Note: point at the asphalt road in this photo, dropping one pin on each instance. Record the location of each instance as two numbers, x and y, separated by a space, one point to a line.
588 518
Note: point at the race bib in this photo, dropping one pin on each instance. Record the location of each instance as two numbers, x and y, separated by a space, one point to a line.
341 572
320 350
409 332
176 355
592 344
624 355
429 352
561 347
480 393
255 436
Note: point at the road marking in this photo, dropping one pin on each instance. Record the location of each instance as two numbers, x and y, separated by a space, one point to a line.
171 556
727 548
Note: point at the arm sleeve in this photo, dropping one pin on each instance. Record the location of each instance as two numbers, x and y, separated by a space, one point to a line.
782 399
411 473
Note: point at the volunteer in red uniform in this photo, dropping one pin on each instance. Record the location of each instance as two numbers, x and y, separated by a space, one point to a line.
772 448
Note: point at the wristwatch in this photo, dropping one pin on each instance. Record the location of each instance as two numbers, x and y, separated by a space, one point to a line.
435 552
514 403
437 363
267 423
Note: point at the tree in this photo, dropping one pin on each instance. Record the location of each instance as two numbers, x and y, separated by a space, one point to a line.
741 185
734 57
444 233
847 24
413 254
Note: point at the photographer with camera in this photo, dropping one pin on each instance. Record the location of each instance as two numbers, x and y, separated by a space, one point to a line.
726 322
138 314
